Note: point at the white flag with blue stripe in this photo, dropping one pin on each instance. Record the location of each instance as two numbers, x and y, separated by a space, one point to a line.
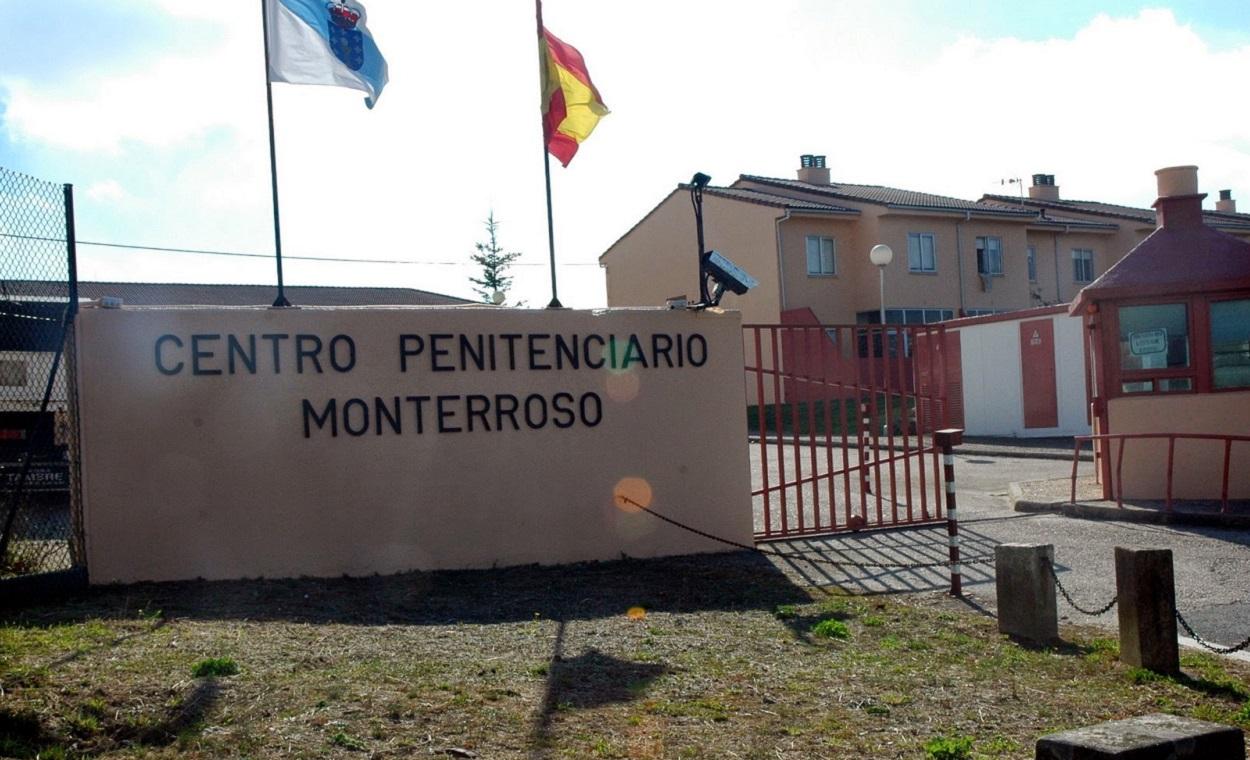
324 42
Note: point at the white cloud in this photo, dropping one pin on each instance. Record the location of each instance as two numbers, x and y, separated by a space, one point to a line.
1101 110
107 191
175 99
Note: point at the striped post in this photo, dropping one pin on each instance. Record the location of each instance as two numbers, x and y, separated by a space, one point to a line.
947 440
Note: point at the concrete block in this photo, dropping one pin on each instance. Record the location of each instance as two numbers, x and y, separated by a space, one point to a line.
1147 737
1026 591
1147 609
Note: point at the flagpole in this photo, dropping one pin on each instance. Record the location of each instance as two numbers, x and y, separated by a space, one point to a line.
280 301
551 230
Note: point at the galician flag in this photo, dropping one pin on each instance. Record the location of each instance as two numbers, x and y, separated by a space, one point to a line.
324 42
571 104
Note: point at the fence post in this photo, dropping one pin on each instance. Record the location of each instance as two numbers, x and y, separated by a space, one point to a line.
947 440
1147 608
1027 607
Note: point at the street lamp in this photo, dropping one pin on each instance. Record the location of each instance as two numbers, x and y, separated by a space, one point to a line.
881 255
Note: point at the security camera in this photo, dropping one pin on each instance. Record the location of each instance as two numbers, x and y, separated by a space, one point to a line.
727 276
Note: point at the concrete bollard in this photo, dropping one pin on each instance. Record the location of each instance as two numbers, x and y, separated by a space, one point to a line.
1027 608
1146 596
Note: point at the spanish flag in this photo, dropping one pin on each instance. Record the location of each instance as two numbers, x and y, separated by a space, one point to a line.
571 104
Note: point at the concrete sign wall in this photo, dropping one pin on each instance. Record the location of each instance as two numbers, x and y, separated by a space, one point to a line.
229 443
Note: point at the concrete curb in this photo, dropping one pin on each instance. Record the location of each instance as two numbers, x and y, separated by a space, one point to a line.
1108 511
1061 456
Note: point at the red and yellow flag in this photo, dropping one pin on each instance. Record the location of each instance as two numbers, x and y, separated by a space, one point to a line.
571 104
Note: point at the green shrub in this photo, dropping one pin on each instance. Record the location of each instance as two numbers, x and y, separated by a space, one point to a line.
831 629
786 612
1242 716
949 748
215 666
1142 675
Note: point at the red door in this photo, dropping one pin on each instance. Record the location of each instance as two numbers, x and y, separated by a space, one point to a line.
1037 365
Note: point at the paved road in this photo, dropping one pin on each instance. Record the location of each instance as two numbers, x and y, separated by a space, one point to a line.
1212 566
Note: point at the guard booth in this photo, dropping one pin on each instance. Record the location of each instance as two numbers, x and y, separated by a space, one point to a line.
1168 334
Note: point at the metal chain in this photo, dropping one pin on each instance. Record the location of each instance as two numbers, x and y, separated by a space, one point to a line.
804 557
1059 585
1206 644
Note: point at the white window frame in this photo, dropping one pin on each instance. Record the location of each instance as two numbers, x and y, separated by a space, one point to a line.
825 263
994 263
1082 263
916 263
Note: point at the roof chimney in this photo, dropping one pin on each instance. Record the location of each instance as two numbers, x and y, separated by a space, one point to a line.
1179 204
1226 202
812 169
1044 188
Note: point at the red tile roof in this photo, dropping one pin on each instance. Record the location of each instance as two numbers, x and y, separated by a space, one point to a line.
778 201
1047 218
1218 219
888 196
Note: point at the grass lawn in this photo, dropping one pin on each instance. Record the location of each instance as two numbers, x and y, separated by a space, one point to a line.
719 656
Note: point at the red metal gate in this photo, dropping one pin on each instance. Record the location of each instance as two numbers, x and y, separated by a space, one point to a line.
842 426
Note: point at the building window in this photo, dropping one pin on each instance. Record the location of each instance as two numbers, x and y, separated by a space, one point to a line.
1230 344
1082 265
1154 348
984 312
920 252
989 256
821 256
897 317
1032 263
905 316
13 373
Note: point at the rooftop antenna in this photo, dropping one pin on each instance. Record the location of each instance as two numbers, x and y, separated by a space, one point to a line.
1019 183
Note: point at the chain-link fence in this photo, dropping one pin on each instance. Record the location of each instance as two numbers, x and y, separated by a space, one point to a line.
40 525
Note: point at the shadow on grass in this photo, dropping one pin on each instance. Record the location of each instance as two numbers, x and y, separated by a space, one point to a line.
802 626
733 581
591 679
1230 690
97 730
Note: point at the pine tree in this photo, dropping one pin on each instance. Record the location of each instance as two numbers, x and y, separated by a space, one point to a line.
494 262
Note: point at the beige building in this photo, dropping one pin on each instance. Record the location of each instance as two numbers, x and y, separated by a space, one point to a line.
807 240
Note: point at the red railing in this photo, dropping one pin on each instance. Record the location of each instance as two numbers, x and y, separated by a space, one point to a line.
854 393
1117 480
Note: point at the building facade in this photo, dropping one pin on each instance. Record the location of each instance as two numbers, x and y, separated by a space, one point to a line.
807 240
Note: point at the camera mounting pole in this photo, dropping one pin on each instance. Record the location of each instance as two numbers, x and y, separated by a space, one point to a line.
713 265
697 183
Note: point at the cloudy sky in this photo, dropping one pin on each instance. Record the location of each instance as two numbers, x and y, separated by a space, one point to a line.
155 111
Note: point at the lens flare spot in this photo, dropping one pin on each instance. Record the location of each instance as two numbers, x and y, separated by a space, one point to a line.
623 386
636 613
632 494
